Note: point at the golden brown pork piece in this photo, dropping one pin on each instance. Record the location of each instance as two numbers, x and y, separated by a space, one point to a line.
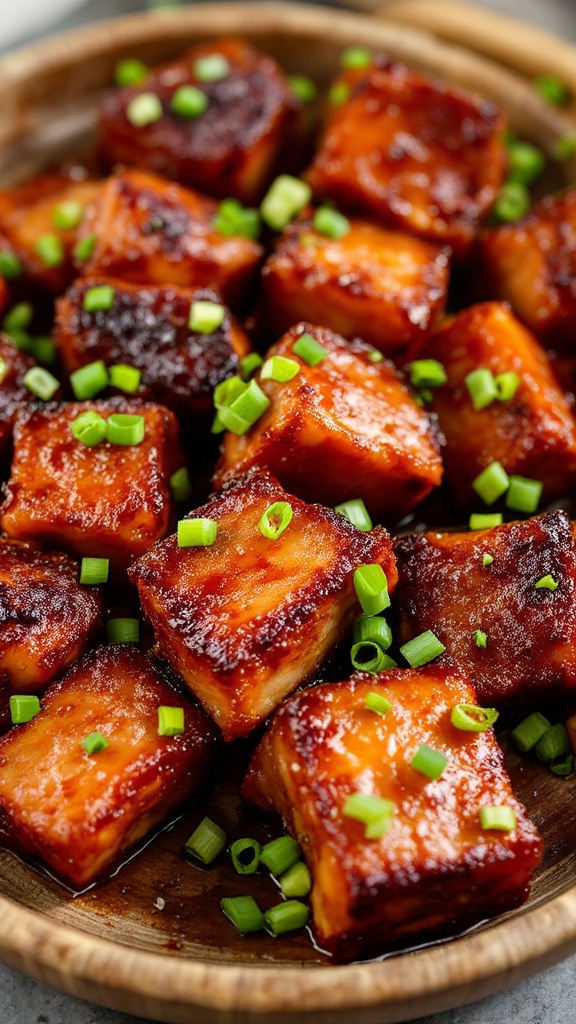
532 264
342 429
232 148
47 619
532 434
383 286
524 601
416 153
147 327
435 870
14 366
150 231
79 811
110 500
249 618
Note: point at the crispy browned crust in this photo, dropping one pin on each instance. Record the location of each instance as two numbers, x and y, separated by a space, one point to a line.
79 812
346 428
13 394
248 619
443 586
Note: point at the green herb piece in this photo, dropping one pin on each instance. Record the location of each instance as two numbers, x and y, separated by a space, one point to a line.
512 202
41 383
50 250
303 87
280 854
94 571
170 721
371 588
89 427
68 215
546 583
285 198
491 483
123 631
355 512
524 494
527 734
275 520
422 649
244 913
23 708
125 378
130 72
552 89
501 818
95 743
472 718
180 484
89 380
286 917
429 762
245 854
481 388
280 369
189 102
197 533
377 703
206 317
484 521
553 744
480 639
206 842
10 266
144 110
212 68
310 350
330 222
125 429
356 58
296 882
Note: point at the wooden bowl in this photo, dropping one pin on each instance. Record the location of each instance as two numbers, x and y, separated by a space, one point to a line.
114 945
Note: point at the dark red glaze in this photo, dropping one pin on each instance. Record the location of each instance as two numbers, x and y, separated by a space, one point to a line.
13 393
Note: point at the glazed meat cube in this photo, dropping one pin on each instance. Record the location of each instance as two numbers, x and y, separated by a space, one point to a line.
533 434
532 264
147 328
110 500
14 366
78 811
435 870
528 622
382 286
344 428
248 619
47 619
231 148
418 154
149 231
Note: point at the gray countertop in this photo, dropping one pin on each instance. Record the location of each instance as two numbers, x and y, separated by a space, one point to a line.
548 998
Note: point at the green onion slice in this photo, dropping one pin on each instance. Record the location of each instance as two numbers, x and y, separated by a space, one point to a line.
197 533
50 249
68 215
339 93
472 718
368 656
525 162
552 89
125 378
206 317
491 483
507 384
130 72
487 560
377 703
530 730
355 512
356 57
296 882
371 588
212 68
429 762
249 364
180 484
303 87
512 202
562 766
206 842
19 318
244 913
553 744
10 266
280 854
372 628
422 649
94 571
23 708
275 520
285 198
144 110
188 102
502 818
89 380
280 369
546 583
481 388
286 917
125 429
373 811
123 631
427 373
84 248
41 383
524 494
327 221
310 350
89 427
245 854
485 521
234 219
170 721
480 638
95 743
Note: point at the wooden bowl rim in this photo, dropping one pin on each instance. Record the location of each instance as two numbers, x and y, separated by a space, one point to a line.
112 972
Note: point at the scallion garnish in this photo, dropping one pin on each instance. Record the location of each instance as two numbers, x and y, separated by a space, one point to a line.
23 708
484 521
512 202
280 369
89 380
502 818
377 703
10 266
507 384
427 373
89 427
371 588
188 102
19 317
525 162
94 743
527 734
286 917
41 383
234 219
422 649
303 87
94 571
245 409
180 484
123 631
206 842
197 533
523 494
206 317
125 378
339 93
491 483
552 89
249 364
487 560
355 512
330 222
245 854
373 811
355 57
68 215
368 656
284 199
481 388
562 766
275 520
244 913
84 248
98 299
144 109
565 147
125 429
130 72
372 628
429 762
546 583
212 68
310 350
280 854
50 250
480 638
472 718
553 744
170 721
296 881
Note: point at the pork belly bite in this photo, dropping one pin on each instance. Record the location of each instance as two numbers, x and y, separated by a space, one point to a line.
108 500
14 366
149 231
341 429
249 618
419 154
78 811
516 584
432 869
148 328
47 619
382 286
231 145
532 264
531 434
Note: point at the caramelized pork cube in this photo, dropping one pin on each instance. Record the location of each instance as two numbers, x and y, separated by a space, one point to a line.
532 264
109 500
150 231
148 328
47 619
230 148
341 429
248 619
416 153
76 810
382 286
532 434
14 366
325 746
503 603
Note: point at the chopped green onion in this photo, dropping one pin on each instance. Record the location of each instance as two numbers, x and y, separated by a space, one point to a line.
94 570
90 428
480 638
422 649
377 703
485 521
275 520
144 109
331 223
368 656
562 765
553 744
180 484
552 89
19 318
130 72
280 369
429 762
507 384
339 93
95 743
546 583
188 102
487 560
565 147
244 913
84 248
527 734
523 494
355 512
3 369
170 721
212 68
245 855
284 199
296 882
99 299
249 364
197 533
356 57
372 628
481 388
371 588
227 391
20 339
125 378
303 87
491 483
472 718
23 708
206 317
68 215
50 250
41 383
286 917
280 854
44 350
125 429
10 266
206 842
234 219
123 631
246 409
310 350
512 202
525 162
427 373
502 818
373 811
89 380
374 356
